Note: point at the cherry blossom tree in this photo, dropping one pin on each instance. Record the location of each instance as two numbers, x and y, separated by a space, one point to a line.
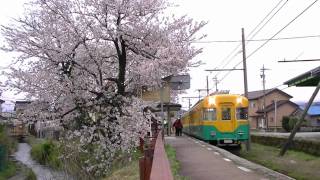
87 60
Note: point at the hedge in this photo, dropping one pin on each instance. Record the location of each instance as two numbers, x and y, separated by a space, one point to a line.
310 147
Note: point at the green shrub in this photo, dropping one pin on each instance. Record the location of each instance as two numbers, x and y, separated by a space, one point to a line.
9 171
46 153
7 146
292 122
285 123
30 175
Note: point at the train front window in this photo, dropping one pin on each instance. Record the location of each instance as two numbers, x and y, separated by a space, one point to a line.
242 113
226 113
209 114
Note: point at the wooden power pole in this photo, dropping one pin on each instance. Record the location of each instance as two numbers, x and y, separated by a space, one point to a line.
215 80
263 76
244 58
244 61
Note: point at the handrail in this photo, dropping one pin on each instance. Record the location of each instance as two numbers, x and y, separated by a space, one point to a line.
160 165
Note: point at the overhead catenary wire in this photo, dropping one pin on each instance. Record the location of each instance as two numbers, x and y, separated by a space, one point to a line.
259 40
230 57
263 44
269 19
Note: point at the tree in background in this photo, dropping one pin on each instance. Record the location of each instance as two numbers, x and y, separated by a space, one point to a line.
83 63
285 123
288 123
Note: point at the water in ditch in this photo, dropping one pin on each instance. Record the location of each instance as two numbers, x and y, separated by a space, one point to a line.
42 172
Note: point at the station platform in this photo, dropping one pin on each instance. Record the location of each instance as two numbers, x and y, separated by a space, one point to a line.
202 161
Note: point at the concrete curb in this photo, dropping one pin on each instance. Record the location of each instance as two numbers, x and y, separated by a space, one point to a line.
248 164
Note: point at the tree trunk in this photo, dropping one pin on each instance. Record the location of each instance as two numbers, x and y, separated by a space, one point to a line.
122 57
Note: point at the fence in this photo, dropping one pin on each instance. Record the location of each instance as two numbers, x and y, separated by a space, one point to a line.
154 164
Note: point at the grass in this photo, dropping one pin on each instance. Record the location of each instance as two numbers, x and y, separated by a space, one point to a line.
46 153
30 175
130 171
295 164
124 169
9 171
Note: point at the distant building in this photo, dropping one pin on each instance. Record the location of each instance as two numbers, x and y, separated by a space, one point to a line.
20 107
313 118
309 78
278 105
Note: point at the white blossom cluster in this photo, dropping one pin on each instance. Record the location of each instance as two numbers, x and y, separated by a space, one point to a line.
84 61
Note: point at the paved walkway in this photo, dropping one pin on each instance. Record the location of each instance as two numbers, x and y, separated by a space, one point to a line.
202 161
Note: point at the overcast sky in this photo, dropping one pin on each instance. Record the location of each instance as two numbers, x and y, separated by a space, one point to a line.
225 20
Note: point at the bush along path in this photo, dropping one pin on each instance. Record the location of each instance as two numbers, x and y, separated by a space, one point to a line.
7 147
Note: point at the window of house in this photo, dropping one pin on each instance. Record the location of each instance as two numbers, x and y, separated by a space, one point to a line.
226 113
242 113
209 114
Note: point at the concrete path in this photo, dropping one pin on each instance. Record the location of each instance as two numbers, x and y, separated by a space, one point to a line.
202 161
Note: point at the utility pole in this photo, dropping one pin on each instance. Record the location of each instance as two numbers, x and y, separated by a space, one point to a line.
263 76
245 81
189 98
275 115
215 80
207 85
244 57
199 90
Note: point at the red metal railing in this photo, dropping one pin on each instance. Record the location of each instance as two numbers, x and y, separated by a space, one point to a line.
154 164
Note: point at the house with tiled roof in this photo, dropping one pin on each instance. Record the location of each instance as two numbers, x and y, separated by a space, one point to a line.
277 105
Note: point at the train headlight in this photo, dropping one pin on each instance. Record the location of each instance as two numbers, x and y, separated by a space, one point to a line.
212 100
239 100
213 133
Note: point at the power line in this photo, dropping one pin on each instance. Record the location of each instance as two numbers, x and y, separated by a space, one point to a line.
308 7
282 29
299 60
224 69
270 19
261 21
258 40
234 50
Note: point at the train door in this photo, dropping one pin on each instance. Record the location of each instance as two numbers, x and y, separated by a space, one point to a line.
227 117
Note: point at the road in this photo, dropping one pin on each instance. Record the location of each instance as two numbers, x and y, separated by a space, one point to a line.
202 161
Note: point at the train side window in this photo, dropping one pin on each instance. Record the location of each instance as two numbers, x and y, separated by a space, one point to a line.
242 113
226 113
209 114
